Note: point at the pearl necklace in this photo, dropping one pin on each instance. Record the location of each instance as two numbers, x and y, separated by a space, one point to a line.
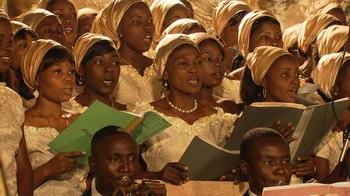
181 110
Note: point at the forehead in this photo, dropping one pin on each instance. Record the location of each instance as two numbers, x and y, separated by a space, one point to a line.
285 62
138 9
267 25
117 144
184 51
209 45
49 20
273 147
5 27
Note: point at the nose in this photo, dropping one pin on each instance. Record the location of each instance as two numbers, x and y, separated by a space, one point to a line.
124 168
69 77
67 22
279 169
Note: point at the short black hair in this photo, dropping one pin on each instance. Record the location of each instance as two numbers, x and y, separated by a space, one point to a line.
107 132
250 138
258 23
55 55
99 48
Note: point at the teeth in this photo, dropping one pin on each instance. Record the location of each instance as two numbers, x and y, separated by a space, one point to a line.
148 37
193 81
107 82
5 58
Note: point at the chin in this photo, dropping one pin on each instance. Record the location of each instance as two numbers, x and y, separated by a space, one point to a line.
4 68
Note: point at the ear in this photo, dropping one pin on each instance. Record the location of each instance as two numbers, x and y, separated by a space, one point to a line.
335 91
81 71
264 82
36 82
92 163
245 168
165 75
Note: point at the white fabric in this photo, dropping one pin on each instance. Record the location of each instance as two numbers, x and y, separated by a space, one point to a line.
250 193
94 191
12 117
73 106
132 87
169 145
228 90
71 183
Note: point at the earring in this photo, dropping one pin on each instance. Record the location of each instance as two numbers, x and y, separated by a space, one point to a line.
120 35
264 92
80 81
165 84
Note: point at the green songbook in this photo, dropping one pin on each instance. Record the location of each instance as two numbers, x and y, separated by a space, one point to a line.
312 123
207 161
78 135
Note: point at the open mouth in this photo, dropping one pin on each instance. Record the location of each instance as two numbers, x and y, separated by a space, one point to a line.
147 38
68 30
293 93
193 81
108 82
5 59
217 74
68 91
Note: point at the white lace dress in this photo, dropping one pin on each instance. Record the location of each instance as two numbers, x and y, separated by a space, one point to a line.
11 120
132 87
169 145
71 183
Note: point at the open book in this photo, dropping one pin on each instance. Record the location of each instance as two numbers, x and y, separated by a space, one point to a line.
312 123
78 135
309 189
206 161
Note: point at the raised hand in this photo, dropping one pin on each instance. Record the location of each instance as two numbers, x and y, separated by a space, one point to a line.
174 173
286 130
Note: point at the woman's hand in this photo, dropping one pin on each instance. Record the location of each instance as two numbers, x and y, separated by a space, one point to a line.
305 167
174 173
286 130
234 175
63 162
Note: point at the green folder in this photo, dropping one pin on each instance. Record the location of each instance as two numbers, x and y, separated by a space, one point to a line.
78 135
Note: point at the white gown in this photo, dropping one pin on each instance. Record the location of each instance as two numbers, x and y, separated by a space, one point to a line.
170 144
11 120
132 87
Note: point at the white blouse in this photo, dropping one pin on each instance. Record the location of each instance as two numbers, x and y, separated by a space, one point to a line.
11 120
169 145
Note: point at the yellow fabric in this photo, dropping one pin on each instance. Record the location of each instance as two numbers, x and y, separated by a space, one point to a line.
84 43
180 26
159 10
323 7
86 11
245 29
17 26
290 36
166 47
3 15
326 72
107 21
32 18
332 39
43 4
311 27
197 38
223 13
32 60
260 61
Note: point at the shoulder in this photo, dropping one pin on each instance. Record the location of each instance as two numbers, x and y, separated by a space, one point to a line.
11 103
231 107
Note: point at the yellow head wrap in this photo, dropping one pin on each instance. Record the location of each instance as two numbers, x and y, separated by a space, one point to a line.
245 29
43 4
326 72
311 27
33 18
260 61
332 39
159 10
107 21
290 36
223 13
17 26
86 12
4 15
83 45
323 7
180 26
197 38
165 47
32 60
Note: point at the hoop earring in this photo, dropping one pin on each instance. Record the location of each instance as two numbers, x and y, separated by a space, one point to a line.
264 92
165 84
80 81
120 35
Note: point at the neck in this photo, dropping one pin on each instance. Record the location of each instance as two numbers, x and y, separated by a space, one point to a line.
13 80
206 96
100 188
133 57
181 100
89 96
47 107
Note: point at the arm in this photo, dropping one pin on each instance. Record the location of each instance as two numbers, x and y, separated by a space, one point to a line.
322 168
24 169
